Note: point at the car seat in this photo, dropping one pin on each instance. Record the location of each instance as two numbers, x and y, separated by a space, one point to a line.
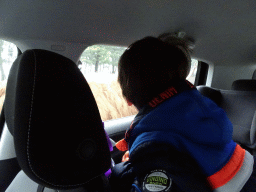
54 127
240 107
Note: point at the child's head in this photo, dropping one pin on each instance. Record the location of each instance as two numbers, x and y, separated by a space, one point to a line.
148 67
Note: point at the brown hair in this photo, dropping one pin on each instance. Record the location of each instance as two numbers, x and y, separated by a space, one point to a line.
148 67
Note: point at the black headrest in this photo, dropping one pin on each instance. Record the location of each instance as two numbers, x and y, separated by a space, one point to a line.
58 134
244 85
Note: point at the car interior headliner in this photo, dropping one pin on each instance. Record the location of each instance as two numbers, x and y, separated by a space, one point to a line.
223 30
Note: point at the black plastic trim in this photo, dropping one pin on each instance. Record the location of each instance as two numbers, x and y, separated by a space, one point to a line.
202 72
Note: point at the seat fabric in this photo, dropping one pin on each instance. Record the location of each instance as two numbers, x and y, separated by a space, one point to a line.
240 107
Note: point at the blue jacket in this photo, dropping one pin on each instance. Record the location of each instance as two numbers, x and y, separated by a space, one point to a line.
192 123
195 125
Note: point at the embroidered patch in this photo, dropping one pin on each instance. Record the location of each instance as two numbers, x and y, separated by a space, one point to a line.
157 181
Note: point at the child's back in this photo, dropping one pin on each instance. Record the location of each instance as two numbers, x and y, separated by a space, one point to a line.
173 113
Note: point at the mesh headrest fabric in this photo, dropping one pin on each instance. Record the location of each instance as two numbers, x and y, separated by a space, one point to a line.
58 134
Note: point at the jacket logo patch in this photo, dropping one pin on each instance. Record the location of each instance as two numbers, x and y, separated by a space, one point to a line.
157 181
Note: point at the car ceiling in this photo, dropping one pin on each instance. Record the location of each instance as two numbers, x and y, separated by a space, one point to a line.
223 30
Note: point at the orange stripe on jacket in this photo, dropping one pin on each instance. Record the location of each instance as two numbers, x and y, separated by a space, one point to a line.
227 172
122 145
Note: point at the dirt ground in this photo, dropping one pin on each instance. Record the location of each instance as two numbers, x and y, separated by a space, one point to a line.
108 97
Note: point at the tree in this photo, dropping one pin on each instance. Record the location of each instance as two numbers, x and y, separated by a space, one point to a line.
1 61
96 55
115 54
102 54
10 49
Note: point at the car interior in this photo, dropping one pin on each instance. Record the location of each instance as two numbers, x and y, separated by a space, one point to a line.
52 135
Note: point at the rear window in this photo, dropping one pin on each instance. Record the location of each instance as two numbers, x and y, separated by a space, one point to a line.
99 66
8 53
192 74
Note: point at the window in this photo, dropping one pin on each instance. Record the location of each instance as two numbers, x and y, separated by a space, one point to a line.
192 74
8 53
99 66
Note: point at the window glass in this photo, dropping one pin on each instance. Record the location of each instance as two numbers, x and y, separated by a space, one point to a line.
8 53
192 74
99 66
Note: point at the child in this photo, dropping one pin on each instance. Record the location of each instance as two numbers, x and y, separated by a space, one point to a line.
180 140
